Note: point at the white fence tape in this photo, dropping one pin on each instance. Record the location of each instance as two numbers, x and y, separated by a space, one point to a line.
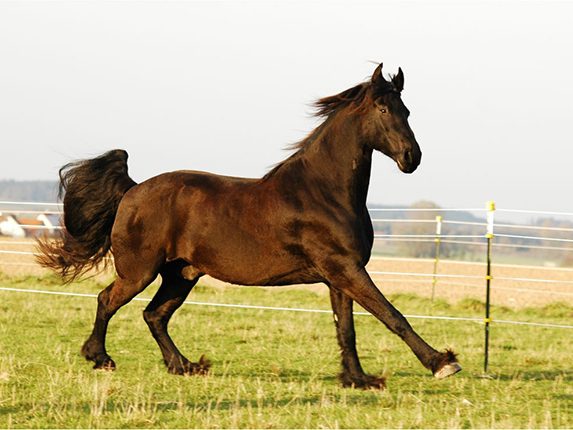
276 308
535 212
444 238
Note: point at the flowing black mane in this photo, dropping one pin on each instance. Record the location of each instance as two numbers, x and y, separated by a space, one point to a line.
326 106
355 95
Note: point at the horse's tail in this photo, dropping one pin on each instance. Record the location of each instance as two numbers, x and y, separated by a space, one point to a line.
91 190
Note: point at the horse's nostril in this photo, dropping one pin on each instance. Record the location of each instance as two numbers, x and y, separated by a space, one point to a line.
409 156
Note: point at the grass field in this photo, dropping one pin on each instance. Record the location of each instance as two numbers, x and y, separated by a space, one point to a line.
274 369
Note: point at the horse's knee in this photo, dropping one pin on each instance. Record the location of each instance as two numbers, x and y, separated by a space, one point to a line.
149 316
153 318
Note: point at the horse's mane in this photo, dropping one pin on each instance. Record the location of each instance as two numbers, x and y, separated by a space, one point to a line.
355 95
327 106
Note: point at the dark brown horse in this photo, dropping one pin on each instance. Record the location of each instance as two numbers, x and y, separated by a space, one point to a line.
306 221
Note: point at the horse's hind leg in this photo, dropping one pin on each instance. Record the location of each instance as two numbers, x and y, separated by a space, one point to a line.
117 294
177 281
352 374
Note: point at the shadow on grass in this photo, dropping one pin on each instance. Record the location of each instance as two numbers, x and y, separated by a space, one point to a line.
348 397
121 407
535 375
5 410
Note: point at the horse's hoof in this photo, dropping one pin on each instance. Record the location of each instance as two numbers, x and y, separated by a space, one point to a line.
448 370
364 382
187 368
106 364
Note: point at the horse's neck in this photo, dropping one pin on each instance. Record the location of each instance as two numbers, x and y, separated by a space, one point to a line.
336 162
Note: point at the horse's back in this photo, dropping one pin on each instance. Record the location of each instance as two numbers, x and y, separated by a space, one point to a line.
169 205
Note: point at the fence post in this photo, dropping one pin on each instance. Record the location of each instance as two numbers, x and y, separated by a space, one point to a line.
488 278
438 240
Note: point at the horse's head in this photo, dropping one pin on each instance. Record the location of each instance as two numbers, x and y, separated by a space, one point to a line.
386 127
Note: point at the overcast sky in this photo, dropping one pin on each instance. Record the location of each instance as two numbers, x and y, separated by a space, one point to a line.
226 86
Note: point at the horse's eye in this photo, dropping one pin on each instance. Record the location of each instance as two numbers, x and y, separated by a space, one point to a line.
383 110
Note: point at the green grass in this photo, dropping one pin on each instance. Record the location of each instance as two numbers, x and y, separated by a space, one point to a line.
274 369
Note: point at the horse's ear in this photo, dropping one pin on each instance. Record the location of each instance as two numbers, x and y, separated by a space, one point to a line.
398 80
377 77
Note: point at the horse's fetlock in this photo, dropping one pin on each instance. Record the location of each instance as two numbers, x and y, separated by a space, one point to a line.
441 359
91 351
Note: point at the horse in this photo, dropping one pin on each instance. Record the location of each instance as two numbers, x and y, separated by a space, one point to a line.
305 221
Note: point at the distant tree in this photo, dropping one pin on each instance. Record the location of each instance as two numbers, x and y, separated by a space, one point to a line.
29 191
418 248
567 260
565 256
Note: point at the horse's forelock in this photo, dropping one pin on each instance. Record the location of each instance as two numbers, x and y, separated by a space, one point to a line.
356 95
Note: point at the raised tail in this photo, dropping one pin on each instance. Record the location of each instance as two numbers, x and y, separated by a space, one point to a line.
91 191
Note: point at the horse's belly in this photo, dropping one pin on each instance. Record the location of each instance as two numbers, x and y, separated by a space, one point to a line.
252 265
303 276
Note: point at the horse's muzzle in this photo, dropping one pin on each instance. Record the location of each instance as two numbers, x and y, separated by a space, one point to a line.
409 160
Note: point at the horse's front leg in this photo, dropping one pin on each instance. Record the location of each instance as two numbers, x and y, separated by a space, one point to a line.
352 374
358 285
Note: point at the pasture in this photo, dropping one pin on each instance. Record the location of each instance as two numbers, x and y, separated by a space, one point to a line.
274 369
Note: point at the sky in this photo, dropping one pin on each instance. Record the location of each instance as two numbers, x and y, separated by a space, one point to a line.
225 87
